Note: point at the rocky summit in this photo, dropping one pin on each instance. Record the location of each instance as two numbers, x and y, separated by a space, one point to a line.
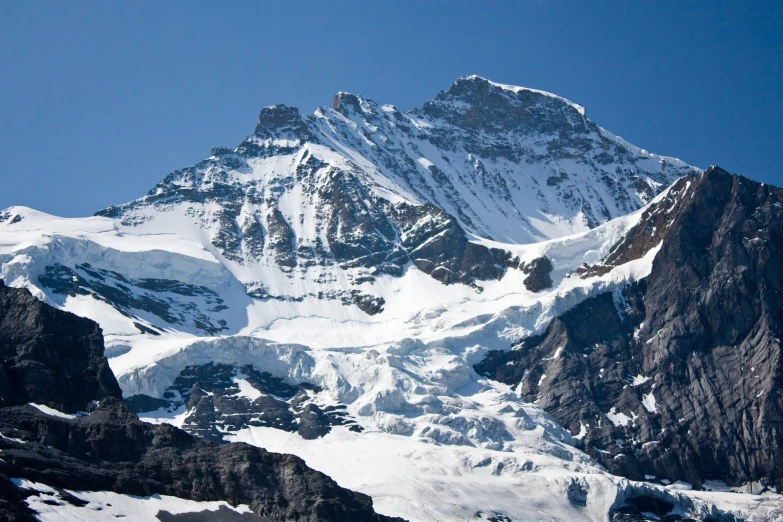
485 308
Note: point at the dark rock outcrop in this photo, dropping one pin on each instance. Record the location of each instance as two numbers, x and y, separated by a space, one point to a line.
277 119
217 404
345 103
282 239
538 273
50 357
439 246
112 450
56 358
655 224
680 375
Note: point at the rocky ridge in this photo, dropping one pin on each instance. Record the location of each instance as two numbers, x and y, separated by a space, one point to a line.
359 190
677 376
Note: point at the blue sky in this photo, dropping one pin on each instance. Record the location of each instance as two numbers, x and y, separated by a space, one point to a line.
100 100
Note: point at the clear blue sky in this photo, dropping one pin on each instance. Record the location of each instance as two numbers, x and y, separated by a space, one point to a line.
100 100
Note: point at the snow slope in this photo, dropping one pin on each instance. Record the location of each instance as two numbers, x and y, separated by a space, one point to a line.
103 505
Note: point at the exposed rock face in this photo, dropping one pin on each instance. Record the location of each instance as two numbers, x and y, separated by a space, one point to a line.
224 398
679 376
56 359
280 120
438 246
538 274
50 357
515 124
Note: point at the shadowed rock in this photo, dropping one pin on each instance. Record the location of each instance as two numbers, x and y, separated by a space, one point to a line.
538 273
50 357
680 375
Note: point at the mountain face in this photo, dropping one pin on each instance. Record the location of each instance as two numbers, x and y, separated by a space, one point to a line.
384 294
359 190
678 375
58 361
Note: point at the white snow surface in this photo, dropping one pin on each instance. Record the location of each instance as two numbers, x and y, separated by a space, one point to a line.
648 401
51 411
504 198
618 418
105 505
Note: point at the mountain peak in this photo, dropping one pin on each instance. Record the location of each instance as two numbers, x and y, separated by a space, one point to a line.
478 85
345 103
342 100
276 118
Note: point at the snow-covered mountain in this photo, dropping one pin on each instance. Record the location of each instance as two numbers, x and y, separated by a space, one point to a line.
369 189
326 287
